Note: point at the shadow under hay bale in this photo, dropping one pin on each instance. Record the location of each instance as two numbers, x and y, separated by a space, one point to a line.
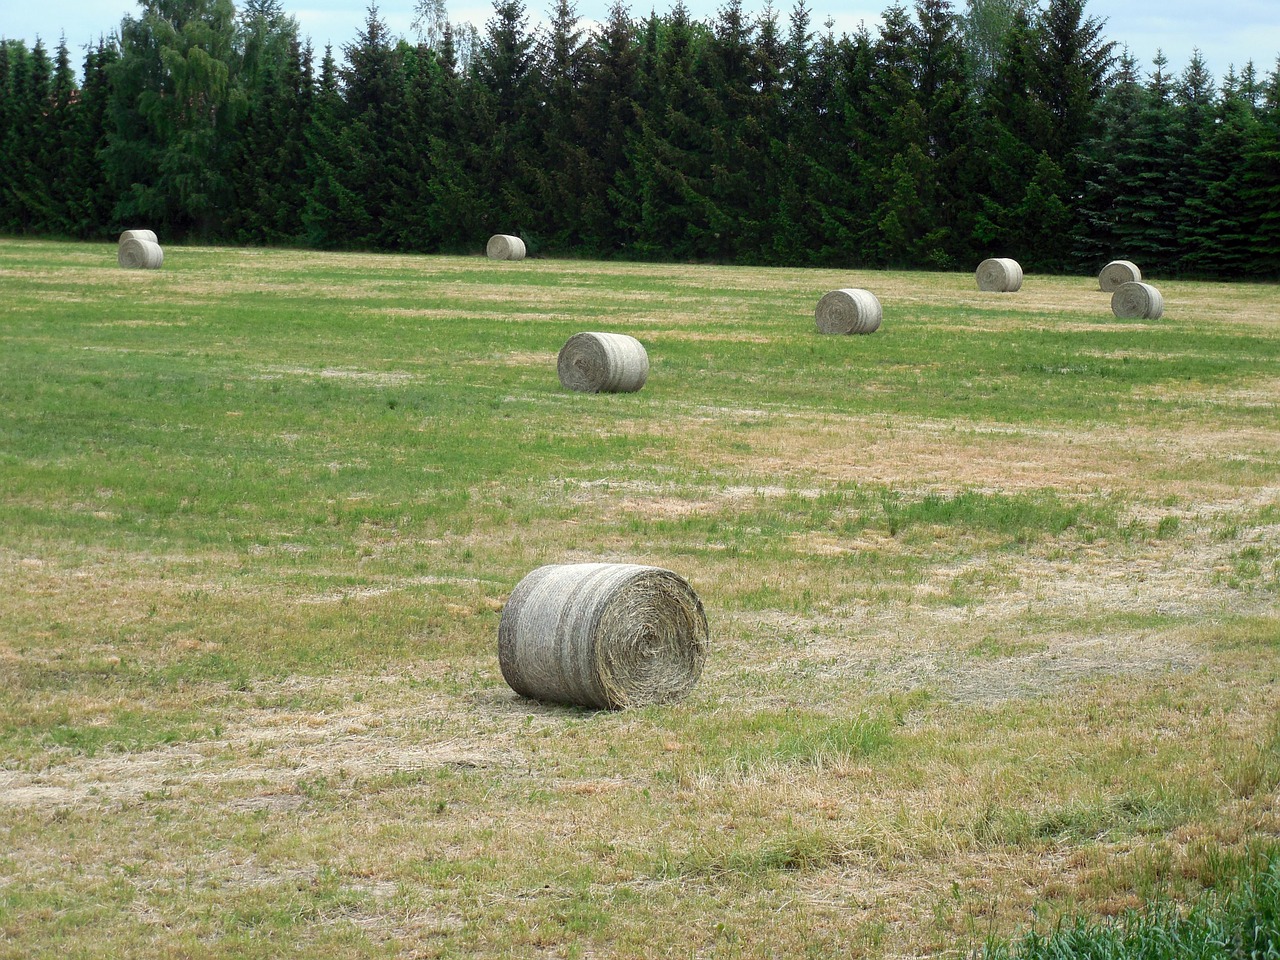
140 255
1137 301
999 275
608 635
849 311
139 235
603 363
502 246
1117 272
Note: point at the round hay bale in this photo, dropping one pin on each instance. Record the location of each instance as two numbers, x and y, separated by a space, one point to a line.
603 635
140 255
1117 272
501 246
603 363
999 275
138 235
849 311
1137 301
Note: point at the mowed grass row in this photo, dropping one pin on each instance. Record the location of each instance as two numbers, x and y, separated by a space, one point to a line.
992 597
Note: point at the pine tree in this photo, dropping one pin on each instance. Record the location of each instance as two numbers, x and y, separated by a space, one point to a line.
90 197
1106 169
269 176
1260 183
504 124
610 90
563 163
327 203
1146 158
796 145
27 198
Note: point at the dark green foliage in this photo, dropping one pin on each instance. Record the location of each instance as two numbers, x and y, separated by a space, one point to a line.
1005 129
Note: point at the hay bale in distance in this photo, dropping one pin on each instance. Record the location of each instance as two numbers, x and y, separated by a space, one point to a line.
1117 272
139 235
140 255
502 246
603 635
999 275
849 311
602 363
1137 301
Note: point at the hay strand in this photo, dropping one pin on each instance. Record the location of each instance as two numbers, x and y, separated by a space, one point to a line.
603 635
502 246
849 311
602 363
999 275
1117 272
138 235
140 255
1137 301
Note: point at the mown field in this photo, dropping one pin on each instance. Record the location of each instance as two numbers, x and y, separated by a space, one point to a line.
993 597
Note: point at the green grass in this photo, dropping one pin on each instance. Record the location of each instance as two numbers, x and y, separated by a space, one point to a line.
1242 922
991 592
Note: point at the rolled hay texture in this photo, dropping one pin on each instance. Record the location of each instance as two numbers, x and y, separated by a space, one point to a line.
849 311
603 363
140 255
999 275
609 635
1137 301
1117 272
504 247
139 235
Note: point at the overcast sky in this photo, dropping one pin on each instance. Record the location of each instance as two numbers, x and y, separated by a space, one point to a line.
1226 32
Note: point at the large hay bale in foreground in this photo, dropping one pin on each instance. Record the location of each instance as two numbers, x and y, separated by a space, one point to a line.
603 363
1117 272
849 311
139 235
140 255
999 275
1137 301
502 246
603 635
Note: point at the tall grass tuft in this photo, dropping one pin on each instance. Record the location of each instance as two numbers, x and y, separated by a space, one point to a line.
1242 924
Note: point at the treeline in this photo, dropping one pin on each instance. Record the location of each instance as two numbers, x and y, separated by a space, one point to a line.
1005 129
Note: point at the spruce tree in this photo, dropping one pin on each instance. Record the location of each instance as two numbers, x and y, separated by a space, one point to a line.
611 87
1260 183
563 163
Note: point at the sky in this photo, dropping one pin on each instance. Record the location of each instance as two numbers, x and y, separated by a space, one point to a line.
1228 32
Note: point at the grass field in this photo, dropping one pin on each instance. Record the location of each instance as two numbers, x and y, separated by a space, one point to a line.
993 597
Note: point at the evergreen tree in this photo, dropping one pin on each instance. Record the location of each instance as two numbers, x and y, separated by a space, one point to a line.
1146 159
671 155
796 145
351 203
269 172
27 200
504 120
1260 183
175 107
329 206
1107 165
563 163
943 93
742 180
906 174
610 114
90 197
